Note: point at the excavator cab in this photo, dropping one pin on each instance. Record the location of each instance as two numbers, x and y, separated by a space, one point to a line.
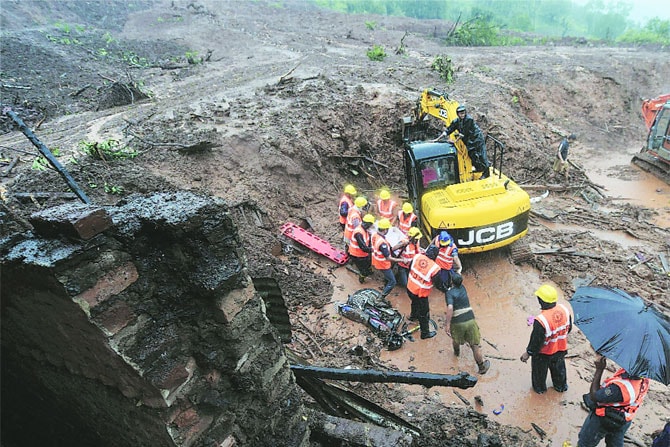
655 154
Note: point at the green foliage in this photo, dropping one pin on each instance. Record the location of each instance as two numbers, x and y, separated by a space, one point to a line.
371 25
41 163
113 189
480 31
656 31
192 57
590 19
443 65
376 53
107 150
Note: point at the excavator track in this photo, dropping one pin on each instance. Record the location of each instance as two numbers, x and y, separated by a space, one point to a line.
653 165
520 252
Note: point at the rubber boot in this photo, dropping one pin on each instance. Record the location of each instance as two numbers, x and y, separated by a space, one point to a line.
425 328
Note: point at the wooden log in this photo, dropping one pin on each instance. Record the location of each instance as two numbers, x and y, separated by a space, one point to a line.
357 433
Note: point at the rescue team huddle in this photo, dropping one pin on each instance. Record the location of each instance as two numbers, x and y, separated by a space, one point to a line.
612 404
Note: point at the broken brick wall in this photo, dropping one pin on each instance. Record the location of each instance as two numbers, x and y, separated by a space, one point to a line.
138 324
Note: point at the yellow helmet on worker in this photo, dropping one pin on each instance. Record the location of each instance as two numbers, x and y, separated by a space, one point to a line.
384 224
369 218
360 201
384 194
350 189
547 293
407 208
414 232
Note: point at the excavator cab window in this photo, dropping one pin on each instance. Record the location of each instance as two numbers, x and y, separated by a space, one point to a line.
660 132
438 172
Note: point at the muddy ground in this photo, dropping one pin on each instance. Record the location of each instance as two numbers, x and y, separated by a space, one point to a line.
275 106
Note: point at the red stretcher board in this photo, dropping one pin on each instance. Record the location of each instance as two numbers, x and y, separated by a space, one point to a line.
313 242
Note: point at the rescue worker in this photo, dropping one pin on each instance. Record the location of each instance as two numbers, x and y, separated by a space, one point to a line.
447 259
613 406
386 206
461 325
406 218
408 247
360 248
382 256
354 217
346 202
423 272
548 343
472 137
561 165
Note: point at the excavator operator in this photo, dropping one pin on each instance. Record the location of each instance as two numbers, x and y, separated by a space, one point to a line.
472 137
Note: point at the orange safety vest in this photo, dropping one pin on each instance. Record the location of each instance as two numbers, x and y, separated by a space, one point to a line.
347 199
405 223
353 220
385 208
354 249
556 323
420 278
379 261
408 253
632 398
444 258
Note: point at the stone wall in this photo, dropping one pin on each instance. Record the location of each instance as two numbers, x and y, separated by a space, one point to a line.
138 324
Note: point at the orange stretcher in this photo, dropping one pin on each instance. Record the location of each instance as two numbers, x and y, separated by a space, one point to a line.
313 242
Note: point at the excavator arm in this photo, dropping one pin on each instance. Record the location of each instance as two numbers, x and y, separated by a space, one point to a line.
437 104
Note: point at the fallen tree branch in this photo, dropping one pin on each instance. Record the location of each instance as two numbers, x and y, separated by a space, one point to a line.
80 91
362 157
285 77
21 87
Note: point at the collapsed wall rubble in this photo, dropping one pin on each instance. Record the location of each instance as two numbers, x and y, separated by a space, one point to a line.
137 324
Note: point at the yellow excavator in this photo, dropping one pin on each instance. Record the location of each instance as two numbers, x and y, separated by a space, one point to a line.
479 214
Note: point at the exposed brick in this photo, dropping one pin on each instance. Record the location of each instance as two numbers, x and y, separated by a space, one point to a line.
72 220
113 283
229 442
233 301
118 316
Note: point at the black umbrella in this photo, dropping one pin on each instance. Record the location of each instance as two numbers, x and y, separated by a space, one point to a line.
623 328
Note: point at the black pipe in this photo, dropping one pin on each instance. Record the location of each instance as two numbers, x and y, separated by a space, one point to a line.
462 380
48 155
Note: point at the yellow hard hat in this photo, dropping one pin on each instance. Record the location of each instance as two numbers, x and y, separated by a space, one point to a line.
414 232
384 224
384 194
360 201
547 293
350 189
407 208
369 218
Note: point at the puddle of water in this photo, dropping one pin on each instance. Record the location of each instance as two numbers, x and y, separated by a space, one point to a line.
501 295
639 188
620 237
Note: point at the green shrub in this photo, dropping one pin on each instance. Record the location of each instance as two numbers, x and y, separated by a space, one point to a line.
107 150
371 25
376 53
443 65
